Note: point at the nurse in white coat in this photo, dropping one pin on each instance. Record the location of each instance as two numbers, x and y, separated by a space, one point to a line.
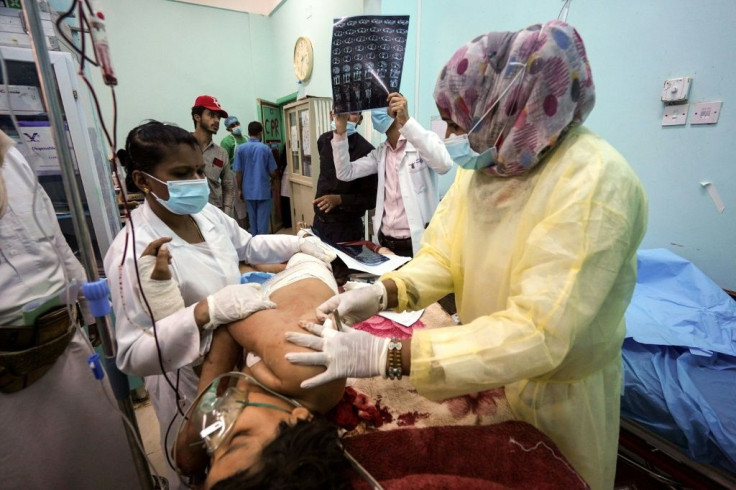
403 211
205 246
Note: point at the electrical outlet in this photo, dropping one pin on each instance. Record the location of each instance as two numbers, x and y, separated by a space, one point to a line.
676 89
706 112
675 115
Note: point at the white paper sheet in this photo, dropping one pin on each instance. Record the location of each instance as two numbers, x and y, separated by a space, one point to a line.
405 318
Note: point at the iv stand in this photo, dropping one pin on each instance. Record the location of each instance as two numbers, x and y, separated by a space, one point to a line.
50 95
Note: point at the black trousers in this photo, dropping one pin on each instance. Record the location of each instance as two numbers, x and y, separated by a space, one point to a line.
334 233
340 231
399 246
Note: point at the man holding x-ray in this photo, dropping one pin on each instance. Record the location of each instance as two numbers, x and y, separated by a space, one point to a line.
407 164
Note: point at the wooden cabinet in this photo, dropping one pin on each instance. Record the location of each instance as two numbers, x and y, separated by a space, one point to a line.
305 121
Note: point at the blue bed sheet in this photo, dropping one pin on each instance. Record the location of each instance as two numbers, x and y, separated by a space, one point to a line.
674 303
680 358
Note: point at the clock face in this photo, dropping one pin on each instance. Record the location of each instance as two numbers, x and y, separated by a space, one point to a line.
303 58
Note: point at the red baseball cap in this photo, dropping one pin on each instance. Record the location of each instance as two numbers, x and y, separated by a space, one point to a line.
209 102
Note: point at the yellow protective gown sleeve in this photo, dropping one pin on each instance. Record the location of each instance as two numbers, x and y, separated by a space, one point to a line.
543 266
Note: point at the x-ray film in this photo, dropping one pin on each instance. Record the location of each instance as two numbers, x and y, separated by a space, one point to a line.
367 60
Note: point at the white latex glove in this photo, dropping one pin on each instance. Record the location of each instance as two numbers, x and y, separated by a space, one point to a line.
313 246
235 302
355 305
350 353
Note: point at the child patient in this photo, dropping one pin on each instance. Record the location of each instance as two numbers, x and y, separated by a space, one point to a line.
275 413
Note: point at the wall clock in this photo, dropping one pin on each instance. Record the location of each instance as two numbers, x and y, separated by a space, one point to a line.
303 58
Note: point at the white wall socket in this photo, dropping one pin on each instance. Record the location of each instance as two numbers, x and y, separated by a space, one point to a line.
706 112
676 89
675 115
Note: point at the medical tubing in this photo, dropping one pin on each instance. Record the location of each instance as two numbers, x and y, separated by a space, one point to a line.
362 471
49 91
70 42
134 429
134 432
171 424
71 310
564 11
153 320
82 24
50 95
97 294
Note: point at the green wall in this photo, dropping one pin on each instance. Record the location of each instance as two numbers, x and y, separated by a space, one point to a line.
633 47
166 53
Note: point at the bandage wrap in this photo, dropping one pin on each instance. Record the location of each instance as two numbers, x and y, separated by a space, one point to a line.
164 297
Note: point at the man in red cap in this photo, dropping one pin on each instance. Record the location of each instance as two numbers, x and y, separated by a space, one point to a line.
206 114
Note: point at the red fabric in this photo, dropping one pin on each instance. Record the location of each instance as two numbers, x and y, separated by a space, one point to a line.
383 327
507 455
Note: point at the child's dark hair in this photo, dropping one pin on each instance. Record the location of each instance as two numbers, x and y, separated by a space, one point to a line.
148 144
306 455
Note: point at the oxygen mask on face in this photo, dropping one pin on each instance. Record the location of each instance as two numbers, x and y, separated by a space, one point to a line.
211 418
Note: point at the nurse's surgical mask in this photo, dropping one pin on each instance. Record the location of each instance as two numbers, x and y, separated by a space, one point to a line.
459 146
381 120
461 153
352 127
185 196
238 131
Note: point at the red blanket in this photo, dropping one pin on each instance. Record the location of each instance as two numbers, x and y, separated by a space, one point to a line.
507 455
409 442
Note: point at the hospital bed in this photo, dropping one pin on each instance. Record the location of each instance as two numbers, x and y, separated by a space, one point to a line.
407 441
678 424
678 420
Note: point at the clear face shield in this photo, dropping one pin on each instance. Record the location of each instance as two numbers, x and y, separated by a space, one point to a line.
210 420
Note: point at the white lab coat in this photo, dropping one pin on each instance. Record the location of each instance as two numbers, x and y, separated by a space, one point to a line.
61 431
425 157
200 270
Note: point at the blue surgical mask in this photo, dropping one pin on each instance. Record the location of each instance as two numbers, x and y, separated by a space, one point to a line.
459 146
238 131
381 120
461 153
185 196
352 127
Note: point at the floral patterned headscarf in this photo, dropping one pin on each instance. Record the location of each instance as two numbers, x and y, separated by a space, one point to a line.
550 89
